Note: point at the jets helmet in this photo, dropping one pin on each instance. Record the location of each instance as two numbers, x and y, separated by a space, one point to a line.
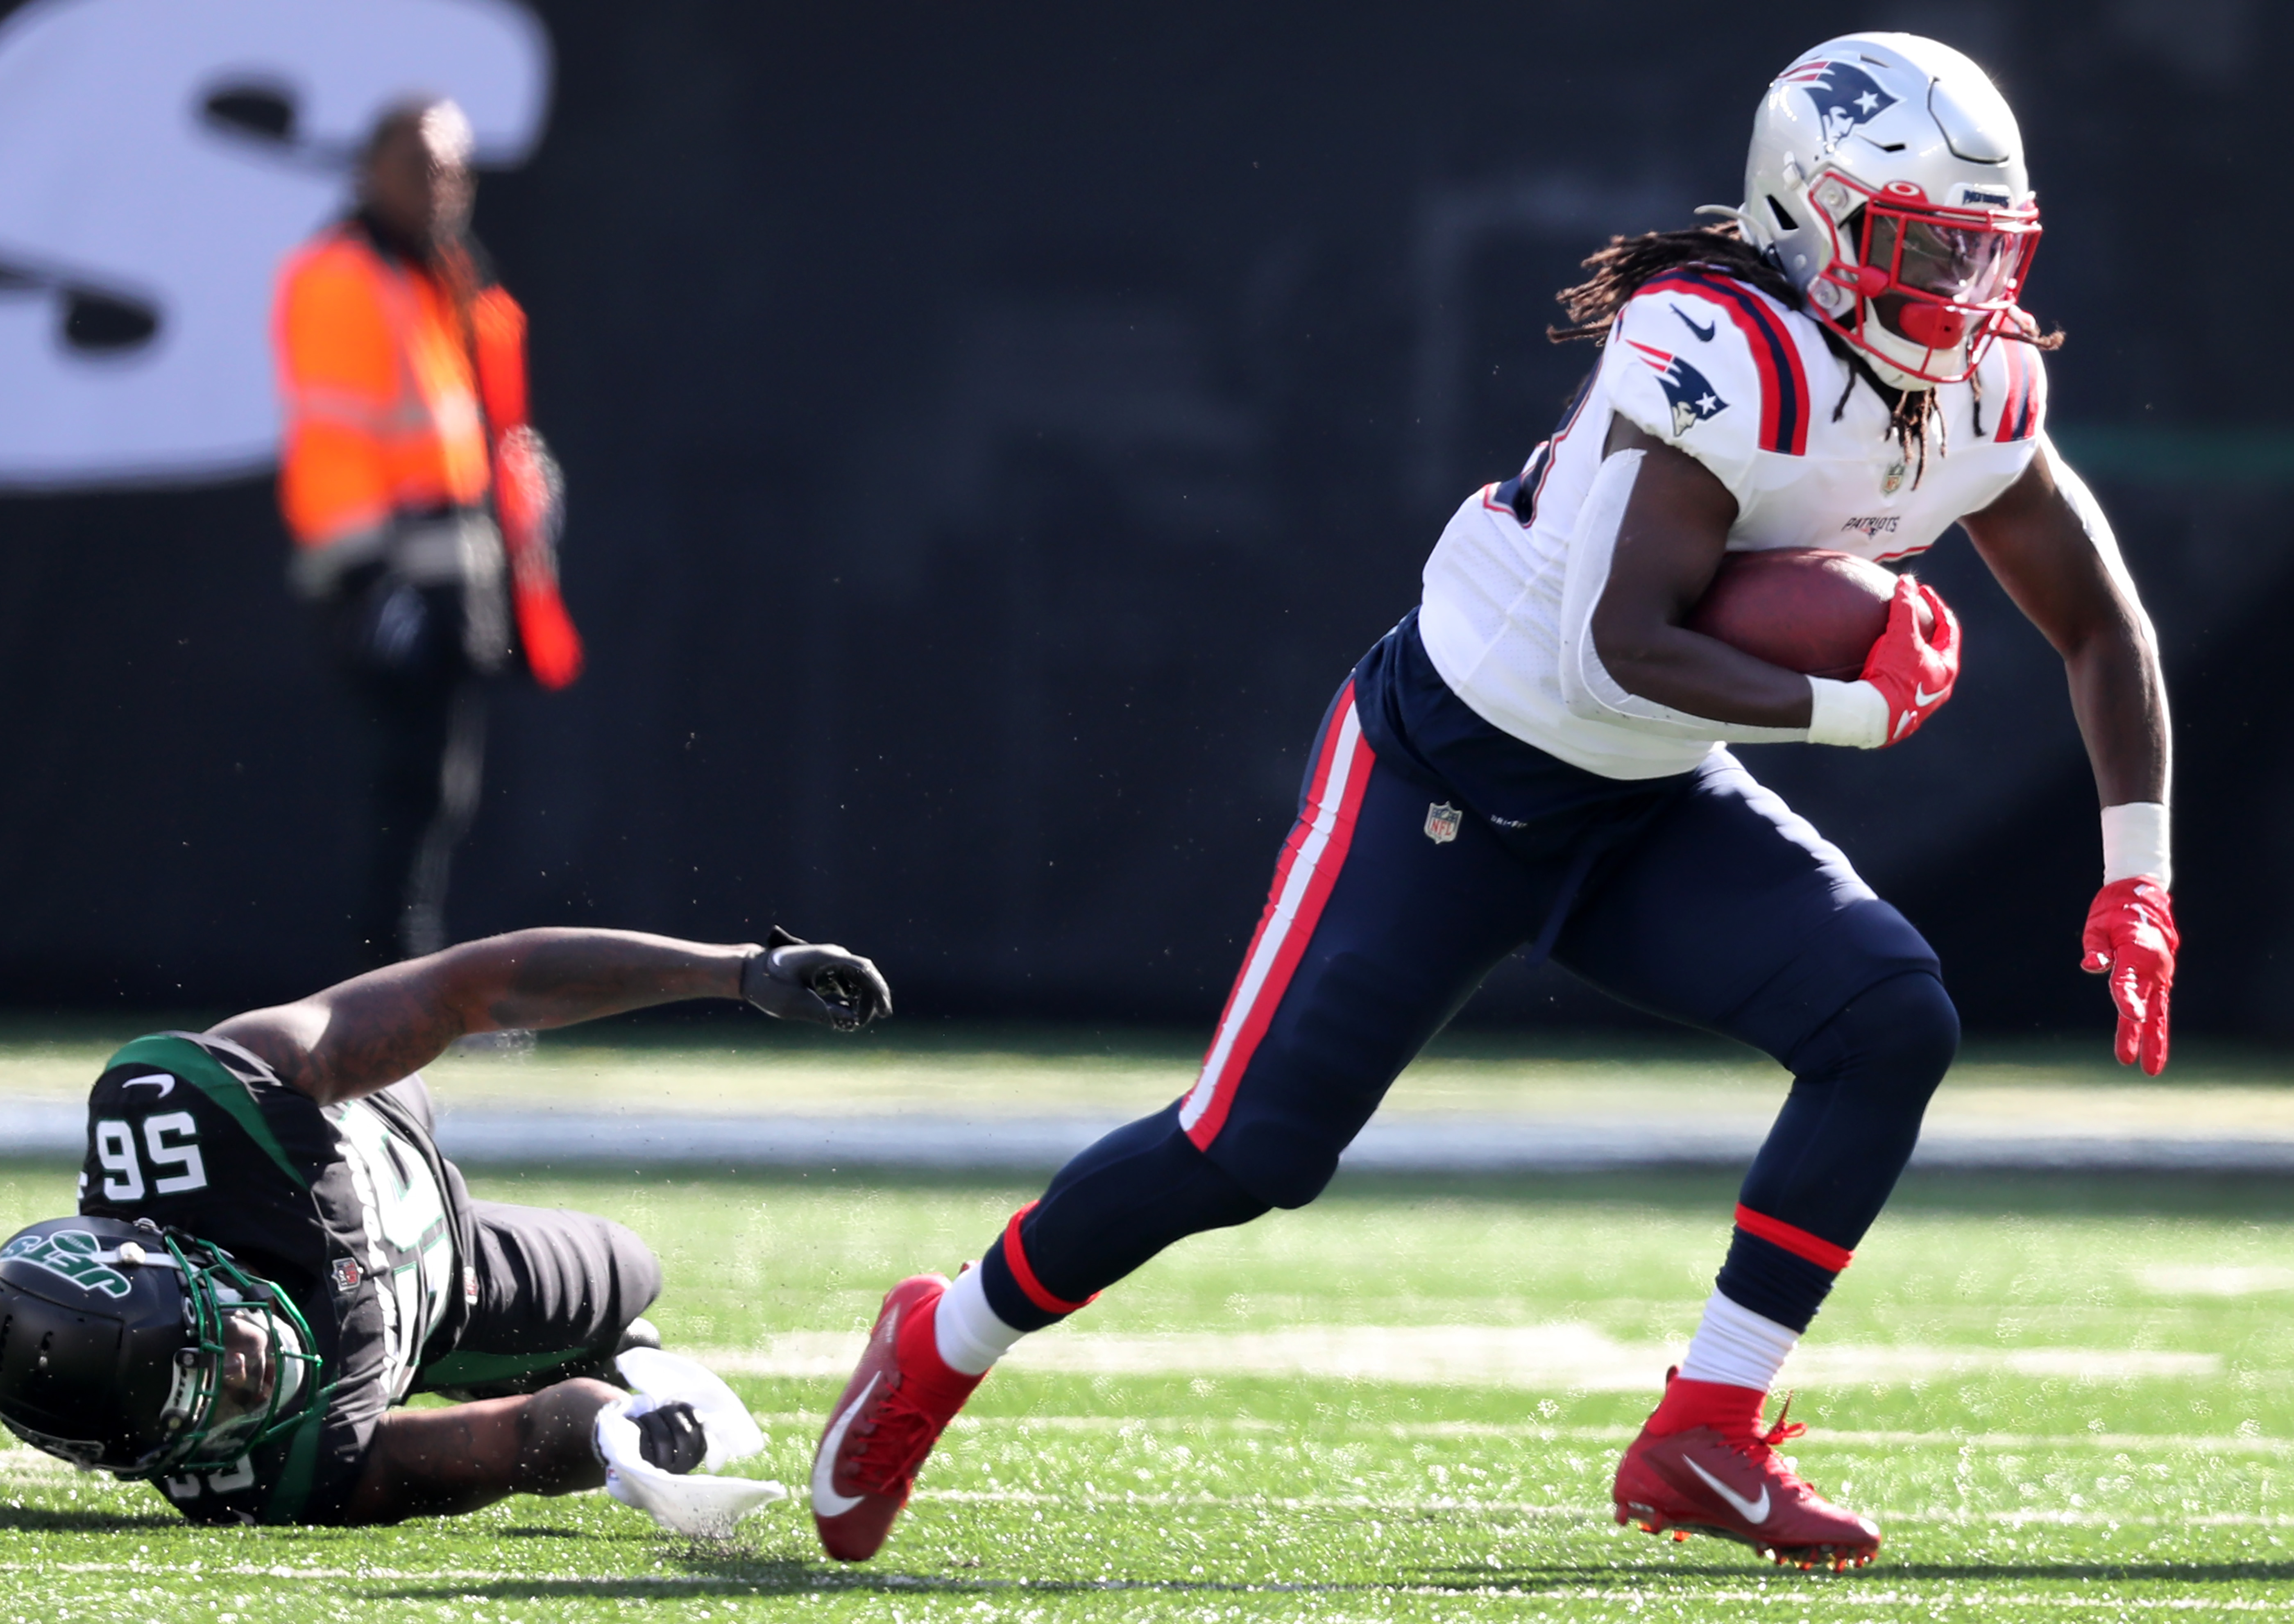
142 1350
1886 179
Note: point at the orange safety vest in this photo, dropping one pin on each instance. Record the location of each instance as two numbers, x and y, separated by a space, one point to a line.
381 409
381 405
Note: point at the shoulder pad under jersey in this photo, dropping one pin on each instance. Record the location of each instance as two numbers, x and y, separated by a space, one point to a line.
2012 381
1706 363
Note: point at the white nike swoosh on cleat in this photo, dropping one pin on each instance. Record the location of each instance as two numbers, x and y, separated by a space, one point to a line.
1754 1512
826 1501
1922 698
160 1080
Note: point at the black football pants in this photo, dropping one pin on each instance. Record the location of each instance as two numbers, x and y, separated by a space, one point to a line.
422 714
555 1290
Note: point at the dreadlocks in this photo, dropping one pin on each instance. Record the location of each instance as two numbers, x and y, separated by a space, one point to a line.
1628 264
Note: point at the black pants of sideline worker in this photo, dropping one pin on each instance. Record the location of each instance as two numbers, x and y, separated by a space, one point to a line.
421 709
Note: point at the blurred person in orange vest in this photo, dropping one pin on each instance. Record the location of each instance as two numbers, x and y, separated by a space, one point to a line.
425 509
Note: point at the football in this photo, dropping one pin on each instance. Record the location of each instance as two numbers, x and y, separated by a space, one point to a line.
1805 608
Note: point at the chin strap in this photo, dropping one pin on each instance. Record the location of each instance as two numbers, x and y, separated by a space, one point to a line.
1730 211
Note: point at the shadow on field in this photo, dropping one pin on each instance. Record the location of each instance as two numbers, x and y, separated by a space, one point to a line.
1625 1576
805 1576
39 1520
2177 1572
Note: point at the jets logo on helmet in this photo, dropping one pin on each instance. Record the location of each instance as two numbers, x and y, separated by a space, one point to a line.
1886 179
73 1254
142 1350
1686 390
1844 95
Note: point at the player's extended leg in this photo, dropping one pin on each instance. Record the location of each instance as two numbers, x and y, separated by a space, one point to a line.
1732 913
1380 923
559 1293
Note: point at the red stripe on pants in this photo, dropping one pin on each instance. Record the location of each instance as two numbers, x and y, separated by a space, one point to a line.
1799 1243
1015 1258
1303 875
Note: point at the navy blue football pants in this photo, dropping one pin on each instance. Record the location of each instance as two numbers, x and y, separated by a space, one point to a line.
1702 898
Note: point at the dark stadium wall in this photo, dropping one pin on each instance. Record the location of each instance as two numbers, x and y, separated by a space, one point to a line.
992 435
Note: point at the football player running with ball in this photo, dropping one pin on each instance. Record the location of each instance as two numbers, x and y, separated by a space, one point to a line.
1533 759
271 1255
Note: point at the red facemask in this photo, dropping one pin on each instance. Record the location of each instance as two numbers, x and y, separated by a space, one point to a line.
1938 276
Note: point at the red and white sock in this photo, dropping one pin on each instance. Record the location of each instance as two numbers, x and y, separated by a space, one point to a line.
1726 1374
965 1330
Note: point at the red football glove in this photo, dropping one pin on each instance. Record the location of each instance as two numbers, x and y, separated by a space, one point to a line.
530 497
2130 937
1913 670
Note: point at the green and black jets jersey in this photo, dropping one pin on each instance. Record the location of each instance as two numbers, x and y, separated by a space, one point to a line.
349 1209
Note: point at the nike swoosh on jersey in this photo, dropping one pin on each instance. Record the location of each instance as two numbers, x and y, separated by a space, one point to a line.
159 1080
826 1500
1922 698
1754 1512
1704 333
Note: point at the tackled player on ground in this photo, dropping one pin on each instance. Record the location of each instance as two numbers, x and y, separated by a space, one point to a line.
271 1255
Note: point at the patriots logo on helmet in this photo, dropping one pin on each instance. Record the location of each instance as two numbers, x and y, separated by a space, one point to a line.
1693 399
1844 95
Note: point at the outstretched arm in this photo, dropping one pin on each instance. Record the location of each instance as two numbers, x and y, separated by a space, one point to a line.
447 1462
366 1033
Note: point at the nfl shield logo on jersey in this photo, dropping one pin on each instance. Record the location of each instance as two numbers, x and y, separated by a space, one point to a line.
1442 820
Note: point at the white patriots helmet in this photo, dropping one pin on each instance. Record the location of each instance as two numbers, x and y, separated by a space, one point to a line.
1886 179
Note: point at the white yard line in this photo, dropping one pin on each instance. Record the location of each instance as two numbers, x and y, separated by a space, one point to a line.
2167 1443
22 1464
1585 1512
1715 1131
2167 1280
1563 1356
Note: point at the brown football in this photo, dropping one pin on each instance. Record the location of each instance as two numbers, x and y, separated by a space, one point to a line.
1805 608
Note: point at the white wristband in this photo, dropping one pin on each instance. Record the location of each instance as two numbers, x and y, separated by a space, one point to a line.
2134 843
1850 714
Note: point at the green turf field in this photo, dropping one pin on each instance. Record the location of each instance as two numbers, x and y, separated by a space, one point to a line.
2085 1413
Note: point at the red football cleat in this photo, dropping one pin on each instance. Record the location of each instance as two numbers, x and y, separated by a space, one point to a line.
1729 1480
891 1413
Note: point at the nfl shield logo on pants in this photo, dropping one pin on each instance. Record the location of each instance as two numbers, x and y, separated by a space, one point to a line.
1442 820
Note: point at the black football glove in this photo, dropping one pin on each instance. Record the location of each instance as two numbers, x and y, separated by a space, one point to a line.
801 981
670 1438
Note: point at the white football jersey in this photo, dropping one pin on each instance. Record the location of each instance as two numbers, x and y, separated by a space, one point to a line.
1749 388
